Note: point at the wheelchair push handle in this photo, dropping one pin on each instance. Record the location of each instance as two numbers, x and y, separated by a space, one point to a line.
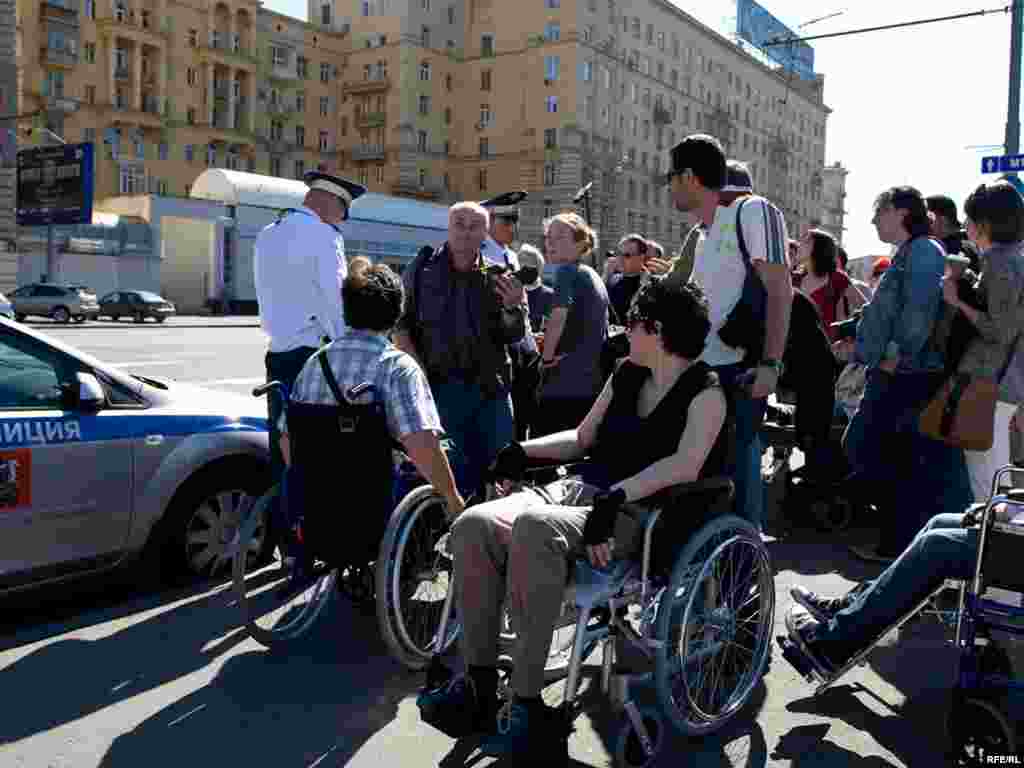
263 389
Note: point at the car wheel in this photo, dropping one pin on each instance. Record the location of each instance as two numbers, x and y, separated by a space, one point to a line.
161 318
79 318
139 317
114 318
61 315
193 538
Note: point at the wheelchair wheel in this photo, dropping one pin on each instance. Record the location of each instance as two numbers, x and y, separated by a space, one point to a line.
630 752
715 622
276 609
978 730
562 642
413 575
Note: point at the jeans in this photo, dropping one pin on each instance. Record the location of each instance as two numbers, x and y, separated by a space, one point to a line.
746 466
941 550
909 475
478 426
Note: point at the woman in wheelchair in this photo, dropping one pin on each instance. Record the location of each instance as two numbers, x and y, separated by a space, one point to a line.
372 298
661 420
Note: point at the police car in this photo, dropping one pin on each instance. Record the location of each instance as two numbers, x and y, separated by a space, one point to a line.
99 468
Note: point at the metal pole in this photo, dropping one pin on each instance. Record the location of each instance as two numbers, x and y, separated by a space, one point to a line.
1013 110
51 252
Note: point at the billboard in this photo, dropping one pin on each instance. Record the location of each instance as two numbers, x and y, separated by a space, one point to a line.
757 26
55 184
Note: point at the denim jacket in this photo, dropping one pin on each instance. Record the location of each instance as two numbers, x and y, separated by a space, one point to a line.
899 320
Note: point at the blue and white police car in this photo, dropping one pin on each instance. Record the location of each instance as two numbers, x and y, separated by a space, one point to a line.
98 467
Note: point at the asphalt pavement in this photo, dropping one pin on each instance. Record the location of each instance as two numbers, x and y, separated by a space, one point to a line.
109 674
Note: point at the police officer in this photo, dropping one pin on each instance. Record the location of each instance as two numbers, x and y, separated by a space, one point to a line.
504 212
299 266
525 356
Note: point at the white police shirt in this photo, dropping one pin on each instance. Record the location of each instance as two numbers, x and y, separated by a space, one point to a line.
299 266
496 253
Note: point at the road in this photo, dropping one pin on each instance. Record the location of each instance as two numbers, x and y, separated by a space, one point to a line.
109 675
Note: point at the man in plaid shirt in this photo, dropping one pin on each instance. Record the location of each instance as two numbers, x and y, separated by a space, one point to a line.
372 300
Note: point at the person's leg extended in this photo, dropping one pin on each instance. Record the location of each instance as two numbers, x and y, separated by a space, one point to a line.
748 414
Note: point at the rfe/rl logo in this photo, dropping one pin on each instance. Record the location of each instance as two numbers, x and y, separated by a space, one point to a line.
1002 759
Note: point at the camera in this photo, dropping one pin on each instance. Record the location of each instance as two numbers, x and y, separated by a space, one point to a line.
525 275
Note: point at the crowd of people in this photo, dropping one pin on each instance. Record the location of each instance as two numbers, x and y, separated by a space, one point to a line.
471 341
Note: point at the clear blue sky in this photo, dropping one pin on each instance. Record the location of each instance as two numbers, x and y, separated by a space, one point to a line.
906 103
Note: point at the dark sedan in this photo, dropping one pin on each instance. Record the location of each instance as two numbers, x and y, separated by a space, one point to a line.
137 305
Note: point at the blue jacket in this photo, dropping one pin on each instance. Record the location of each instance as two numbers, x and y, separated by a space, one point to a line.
899 320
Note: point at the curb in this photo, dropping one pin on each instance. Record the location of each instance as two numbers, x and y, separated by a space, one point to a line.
138 326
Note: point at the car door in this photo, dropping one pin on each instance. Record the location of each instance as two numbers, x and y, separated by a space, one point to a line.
108 304
32 300
65 475
119 306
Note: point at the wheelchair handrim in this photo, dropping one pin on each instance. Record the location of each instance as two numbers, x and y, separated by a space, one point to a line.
766 595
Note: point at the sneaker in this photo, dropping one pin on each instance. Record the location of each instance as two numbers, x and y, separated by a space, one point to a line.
455 709
874 554
803 628
821 608
523 728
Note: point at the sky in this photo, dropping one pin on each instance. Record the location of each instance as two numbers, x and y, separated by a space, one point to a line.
909 106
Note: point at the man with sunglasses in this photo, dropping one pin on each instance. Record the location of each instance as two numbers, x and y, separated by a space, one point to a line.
632 258
737 228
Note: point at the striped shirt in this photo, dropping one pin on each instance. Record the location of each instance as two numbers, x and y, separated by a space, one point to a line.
718 264
363 356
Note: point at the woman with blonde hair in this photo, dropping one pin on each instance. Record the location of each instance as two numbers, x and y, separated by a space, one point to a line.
576 329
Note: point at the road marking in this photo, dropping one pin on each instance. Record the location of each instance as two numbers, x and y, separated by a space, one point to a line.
139 363
259 380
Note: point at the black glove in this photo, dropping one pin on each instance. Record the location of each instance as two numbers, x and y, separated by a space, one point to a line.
600 523
509 464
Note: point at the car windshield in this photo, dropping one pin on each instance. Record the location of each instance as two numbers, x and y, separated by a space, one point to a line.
150 298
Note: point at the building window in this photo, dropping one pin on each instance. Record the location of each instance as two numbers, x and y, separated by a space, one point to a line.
379 174
190 116
422 178
211 155
587 71
190 76
275 166
552 3
90 53
425 71
366 7
481 179
162 150
277 56
301 66
550 174
324 141
447 182
421 141
90 94
300 168
325 15
448 83
487 45
90 9
485 148
325 105
485 80
425 36
193 38
88 134
364 174
233 161
300 102
552 104
447 115
325 73
344 126
552 32
550 138
485 115
551 64
451 14
189 153
300 135
549 209
424 104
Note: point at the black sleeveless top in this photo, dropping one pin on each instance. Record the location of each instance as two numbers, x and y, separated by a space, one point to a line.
627 444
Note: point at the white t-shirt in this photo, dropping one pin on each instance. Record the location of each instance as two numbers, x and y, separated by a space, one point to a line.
718 264
298 266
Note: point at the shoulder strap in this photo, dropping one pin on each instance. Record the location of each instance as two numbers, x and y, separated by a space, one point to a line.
1009 359
739 233
332 382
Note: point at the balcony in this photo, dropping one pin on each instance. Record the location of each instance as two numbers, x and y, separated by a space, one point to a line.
371 119
282 73
63 11
127 114
65 57
280 109
367 152
280 147
137 27
376 85
122 73
225 54
221 91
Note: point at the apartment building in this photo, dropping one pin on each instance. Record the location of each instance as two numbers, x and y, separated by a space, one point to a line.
8 109
167 88
448 99
833 194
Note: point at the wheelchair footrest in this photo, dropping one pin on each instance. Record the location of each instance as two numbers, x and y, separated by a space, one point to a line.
797 659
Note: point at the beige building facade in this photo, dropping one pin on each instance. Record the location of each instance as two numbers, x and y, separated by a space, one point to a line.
436 99
833 192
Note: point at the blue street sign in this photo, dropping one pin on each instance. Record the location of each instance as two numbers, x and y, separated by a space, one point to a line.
1002 164
55 184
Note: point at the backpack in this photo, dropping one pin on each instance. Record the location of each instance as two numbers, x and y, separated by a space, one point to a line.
746 325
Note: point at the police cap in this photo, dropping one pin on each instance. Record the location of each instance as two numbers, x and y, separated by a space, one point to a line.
505 205
344 189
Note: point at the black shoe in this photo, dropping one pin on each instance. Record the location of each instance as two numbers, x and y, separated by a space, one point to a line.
821 608
456 710
803 629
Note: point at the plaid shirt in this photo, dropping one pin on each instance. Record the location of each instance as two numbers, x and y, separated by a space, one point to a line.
362 356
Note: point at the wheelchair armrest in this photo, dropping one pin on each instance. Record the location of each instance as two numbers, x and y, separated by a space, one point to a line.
676 493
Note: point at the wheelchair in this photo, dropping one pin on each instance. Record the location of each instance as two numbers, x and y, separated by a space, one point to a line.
698 615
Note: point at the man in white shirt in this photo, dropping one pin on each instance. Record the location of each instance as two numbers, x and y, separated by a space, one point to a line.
299 266
701 184
497 246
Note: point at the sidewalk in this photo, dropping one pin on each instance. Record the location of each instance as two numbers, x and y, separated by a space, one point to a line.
179 321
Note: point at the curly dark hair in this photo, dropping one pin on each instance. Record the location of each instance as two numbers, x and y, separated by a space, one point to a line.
911 200
680 308
372 297
824 252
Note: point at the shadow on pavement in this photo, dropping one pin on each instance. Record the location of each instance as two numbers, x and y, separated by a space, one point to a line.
316 702
805 745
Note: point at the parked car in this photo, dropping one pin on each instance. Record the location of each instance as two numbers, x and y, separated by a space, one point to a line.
6 308
136 304
59 301
99 468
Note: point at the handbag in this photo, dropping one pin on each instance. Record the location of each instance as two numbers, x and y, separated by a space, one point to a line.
963 412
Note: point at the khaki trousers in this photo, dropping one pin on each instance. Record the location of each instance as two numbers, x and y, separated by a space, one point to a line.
518 549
